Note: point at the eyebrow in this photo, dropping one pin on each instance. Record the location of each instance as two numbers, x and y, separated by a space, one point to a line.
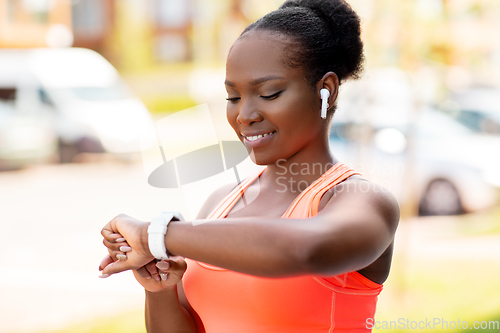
257 81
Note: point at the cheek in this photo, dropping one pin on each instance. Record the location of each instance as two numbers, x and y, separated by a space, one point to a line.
231 115
301 108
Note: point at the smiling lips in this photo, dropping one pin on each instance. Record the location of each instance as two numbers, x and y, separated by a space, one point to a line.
254 138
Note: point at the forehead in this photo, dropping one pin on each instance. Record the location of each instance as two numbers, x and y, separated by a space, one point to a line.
258 54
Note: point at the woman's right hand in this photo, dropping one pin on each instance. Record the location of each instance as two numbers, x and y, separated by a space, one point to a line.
157 276
127 240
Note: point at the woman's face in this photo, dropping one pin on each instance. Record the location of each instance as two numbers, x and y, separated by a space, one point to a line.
272 108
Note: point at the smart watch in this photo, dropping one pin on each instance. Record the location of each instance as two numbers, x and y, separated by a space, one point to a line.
156 233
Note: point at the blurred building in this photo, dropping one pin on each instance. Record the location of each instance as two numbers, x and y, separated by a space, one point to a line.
138 35
455 37
35 23
155 42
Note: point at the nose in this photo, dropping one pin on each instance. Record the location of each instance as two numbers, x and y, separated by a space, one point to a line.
248 113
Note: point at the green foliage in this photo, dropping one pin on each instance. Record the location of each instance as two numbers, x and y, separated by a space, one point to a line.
448 290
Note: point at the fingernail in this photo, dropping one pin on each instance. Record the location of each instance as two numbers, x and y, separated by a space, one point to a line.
125 248
119 240
103 276
163 265
121 257
157 278
164 276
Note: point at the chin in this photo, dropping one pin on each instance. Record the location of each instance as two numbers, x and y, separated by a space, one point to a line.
262 159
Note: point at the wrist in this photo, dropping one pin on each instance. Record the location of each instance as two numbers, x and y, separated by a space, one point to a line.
157 231
144 239
161 293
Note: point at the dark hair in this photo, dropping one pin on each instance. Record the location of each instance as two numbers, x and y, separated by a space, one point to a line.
325 37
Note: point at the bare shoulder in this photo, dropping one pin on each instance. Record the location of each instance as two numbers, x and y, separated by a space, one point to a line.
214 199
360 196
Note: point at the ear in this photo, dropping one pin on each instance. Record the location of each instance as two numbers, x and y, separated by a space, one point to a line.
329 81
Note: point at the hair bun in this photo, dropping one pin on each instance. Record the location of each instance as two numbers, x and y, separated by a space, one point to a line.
325 9
329 31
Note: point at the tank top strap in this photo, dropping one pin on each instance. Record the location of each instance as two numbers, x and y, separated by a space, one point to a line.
305 205
225 205
307 202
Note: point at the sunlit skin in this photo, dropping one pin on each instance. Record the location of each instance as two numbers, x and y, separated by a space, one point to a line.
264 95
353 231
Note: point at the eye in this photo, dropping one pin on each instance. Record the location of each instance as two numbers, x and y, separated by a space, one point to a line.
233 99
273 96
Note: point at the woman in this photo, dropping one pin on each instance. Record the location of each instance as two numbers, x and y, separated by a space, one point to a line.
311 252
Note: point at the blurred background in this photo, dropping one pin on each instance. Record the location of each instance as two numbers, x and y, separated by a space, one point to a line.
82 81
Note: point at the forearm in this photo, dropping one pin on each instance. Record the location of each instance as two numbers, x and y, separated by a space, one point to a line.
164 313
263 247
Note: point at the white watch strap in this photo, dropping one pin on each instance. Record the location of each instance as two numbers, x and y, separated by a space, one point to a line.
156 233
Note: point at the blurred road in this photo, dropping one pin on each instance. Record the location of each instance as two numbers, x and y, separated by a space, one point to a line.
51 246
50 241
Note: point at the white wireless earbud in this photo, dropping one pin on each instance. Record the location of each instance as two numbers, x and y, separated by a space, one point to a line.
325 95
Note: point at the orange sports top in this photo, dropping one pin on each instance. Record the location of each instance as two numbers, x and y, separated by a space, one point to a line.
232 302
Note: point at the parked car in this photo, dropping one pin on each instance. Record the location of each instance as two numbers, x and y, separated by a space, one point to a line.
88 104
478 109
446 167
25 139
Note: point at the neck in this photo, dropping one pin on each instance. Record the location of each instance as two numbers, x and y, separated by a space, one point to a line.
298 172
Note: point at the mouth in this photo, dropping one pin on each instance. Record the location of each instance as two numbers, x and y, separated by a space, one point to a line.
257 138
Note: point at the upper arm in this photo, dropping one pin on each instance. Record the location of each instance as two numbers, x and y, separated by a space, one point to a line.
353 229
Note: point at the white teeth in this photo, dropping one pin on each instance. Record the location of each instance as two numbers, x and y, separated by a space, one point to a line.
256 137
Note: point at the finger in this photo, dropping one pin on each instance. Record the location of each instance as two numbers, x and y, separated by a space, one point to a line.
105 262
116 255
178 263
116 267
163 275
112 245
109 234
114 250
151 268
177 267
143 272
163 265
118 247
111 226
114 236
117 238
